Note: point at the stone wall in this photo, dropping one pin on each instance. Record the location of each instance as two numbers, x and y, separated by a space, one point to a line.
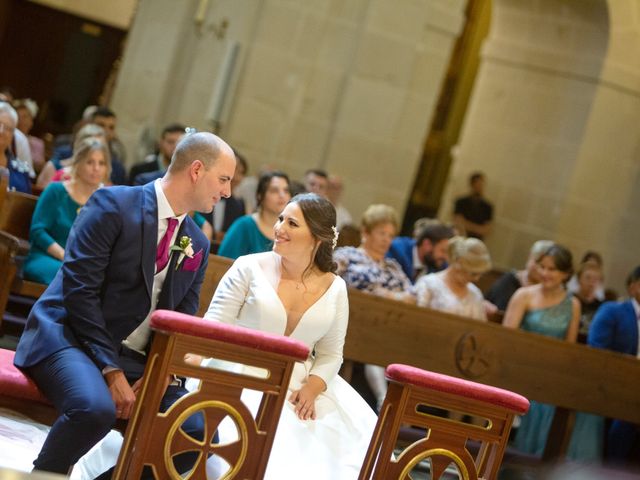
346 85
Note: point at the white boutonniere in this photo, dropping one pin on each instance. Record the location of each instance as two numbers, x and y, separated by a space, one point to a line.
185 248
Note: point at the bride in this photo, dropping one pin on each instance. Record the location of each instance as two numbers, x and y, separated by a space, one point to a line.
325 426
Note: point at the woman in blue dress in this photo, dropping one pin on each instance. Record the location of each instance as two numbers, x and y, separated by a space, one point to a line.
58 207
548 309
253 233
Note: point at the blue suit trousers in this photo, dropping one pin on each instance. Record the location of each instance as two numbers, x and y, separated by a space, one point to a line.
76 387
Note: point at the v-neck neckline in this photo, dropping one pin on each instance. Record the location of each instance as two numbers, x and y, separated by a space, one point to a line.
286 316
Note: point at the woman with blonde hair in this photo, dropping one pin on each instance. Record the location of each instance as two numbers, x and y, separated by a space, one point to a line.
452 290
366 267
58 169
59 205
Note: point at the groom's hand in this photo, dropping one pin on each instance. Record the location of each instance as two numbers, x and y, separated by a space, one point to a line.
137 386
121 393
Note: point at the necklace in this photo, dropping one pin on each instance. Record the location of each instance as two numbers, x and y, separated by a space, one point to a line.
289 277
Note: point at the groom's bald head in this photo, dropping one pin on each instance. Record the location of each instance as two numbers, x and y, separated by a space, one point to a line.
203 146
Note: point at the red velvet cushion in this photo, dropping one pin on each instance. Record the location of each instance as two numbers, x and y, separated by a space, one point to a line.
174 322
14 383
457 386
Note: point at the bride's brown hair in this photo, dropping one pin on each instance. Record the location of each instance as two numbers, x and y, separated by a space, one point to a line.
320 216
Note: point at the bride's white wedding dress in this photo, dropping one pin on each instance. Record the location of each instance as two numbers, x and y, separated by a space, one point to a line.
334 444
331 447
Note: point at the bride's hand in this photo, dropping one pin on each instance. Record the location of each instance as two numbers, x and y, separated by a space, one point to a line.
304 399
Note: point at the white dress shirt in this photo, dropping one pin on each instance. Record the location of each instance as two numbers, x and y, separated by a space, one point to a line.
139 338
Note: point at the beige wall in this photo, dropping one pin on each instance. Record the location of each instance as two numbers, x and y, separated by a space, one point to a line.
549 123
346 85
351 85
117 13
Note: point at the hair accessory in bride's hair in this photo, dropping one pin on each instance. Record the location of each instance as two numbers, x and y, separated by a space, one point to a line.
335 237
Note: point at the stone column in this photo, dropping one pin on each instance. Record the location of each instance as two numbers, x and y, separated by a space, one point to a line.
550 123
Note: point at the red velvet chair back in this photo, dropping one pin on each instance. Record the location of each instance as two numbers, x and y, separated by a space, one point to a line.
154 439
411 400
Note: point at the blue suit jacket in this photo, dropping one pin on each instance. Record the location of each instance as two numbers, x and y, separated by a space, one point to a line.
402 250
615 327
103 290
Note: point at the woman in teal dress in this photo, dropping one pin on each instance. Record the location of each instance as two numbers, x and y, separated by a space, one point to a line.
548 309
254 233
58 207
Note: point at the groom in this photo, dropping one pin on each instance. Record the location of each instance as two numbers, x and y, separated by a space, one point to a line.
85 340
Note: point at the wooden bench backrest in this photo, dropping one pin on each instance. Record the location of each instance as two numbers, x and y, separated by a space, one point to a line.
574 376
216 269
16 213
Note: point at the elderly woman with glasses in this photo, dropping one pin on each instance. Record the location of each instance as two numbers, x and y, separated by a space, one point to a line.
18 169
452 290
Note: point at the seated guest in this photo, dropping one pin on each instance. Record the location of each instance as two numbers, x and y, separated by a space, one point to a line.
590 278
58 167
615 327
27 111
335 187
546 308
159 161
426 252
19 170
592 257
106 118
228 210
254 233
316 181
503 289
366 268
452 290
20 143
58 207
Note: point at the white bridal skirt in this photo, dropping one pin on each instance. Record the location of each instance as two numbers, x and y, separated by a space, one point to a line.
331 447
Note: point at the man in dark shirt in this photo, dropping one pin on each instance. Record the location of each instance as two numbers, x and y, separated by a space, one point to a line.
473 213
503 289
158 162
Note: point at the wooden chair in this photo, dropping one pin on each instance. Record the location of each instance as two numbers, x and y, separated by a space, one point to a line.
15 221
154 439
16 213
410 400
217 267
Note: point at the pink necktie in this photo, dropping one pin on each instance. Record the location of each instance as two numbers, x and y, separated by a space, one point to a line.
162 255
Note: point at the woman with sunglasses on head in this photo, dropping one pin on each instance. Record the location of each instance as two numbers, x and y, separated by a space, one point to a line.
548 309
452 290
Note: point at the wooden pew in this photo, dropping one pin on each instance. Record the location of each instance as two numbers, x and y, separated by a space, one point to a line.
573 377
15 221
